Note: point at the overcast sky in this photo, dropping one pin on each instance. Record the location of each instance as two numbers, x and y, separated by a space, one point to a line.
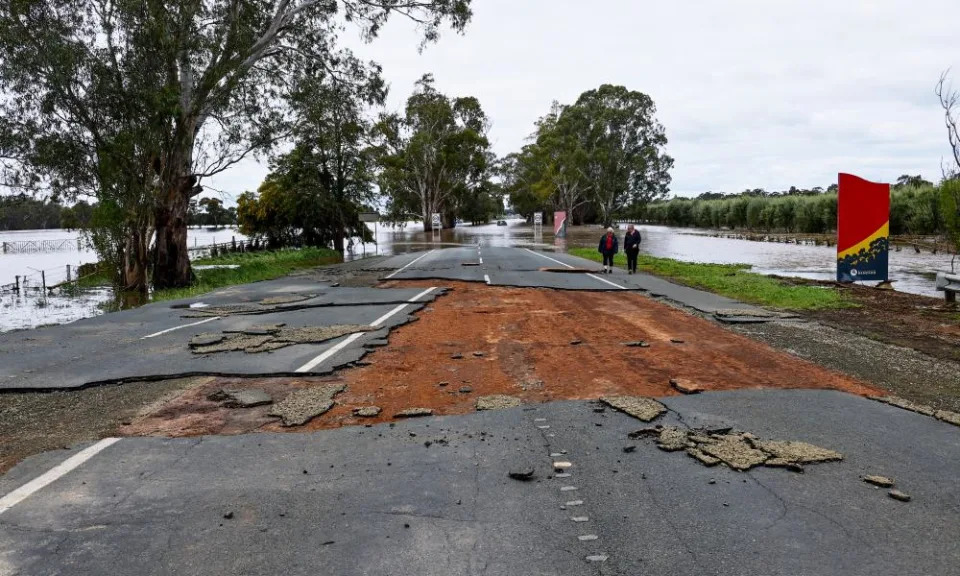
753 93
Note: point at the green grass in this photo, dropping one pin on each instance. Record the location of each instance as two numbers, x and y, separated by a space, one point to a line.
254 267
734 281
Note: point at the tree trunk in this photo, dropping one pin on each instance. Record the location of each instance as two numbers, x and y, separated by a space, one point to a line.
171 261
135 262
338 241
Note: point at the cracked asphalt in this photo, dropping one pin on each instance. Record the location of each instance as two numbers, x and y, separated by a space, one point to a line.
433 495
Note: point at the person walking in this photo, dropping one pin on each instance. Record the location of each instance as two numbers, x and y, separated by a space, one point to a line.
631 247
608 247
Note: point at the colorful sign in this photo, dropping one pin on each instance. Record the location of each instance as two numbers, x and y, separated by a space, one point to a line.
560 224
863 228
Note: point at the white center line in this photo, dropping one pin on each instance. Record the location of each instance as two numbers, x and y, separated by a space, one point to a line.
58 471
411 263
179 327
353 337
486 278
569 266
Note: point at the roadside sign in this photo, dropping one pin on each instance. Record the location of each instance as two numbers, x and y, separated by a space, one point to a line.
369 217
560 224
863 227
437 221
538 218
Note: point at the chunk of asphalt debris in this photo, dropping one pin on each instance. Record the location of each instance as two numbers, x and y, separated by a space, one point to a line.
881 481
576 342
206 340
640 407
367 411
457 356
637 344
413 413
677 340
685 386
443 384
523 475
654 431
630 448
497 402
228 516
705 459
898 495
672 439
303 405
906 404
465 389
948 417
247 398
735 452
478 354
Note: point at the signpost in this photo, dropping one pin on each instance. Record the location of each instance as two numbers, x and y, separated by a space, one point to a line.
437 226
374 217
538 223
863 228
560 224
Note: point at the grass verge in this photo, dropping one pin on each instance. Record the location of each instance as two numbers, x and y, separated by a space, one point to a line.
253 267
734 281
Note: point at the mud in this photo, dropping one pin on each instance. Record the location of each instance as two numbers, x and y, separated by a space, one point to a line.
524 336
739 451
265 339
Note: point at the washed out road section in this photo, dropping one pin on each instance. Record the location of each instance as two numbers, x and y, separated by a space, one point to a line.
154 341
433 497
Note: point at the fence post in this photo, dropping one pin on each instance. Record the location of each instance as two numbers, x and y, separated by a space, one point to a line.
43 279
4 247
68 273
79 248
233 242
18 285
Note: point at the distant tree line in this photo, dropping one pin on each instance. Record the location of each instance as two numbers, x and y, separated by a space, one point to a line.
23 212
916 208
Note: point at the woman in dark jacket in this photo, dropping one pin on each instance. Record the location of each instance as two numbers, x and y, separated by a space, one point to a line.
608 247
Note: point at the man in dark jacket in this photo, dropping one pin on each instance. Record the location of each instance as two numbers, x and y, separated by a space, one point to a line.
609 246
631 247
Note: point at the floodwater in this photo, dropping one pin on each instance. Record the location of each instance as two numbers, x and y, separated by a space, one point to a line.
910 272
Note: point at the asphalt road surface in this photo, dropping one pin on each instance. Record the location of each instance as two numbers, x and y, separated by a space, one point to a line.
432 496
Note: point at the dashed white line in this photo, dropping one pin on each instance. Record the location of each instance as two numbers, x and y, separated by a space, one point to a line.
58 471
574 503
580 519
411 263
353 337
486 278
594 276
179 327
587 537
567 488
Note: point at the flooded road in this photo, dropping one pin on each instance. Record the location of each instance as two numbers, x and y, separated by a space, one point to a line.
910 272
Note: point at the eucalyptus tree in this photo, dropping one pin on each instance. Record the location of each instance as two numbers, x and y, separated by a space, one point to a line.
191 86
623 146
433 157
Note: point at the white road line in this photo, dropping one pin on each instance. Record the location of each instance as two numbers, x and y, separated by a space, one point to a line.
353 337
58 471
179 327
607 281
481 260
330 352
486 278
411 263
595 277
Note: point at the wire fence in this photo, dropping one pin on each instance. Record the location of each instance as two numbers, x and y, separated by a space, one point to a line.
37 246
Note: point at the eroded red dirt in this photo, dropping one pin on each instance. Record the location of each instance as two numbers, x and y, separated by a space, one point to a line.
523 340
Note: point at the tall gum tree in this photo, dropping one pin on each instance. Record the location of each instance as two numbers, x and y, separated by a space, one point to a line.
218 69
433 156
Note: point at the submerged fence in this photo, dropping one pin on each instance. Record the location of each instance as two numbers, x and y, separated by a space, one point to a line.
33 246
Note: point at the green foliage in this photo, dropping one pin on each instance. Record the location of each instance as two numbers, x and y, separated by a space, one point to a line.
436 157
913 210
23 212
735 281
254 267
950 210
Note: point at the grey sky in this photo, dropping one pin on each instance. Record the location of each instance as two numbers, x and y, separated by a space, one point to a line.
753 93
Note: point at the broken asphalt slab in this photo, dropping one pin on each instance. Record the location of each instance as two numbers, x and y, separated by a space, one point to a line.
653 511
153 341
